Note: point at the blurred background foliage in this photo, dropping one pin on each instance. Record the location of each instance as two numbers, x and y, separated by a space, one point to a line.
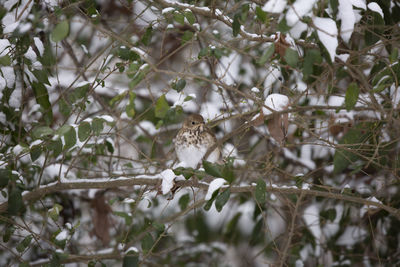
93 92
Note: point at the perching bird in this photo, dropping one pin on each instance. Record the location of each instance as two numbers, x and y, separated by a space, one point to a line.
193 142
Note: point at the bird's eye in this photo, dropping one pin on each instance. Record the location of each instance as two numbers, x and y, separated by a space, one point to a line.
193 123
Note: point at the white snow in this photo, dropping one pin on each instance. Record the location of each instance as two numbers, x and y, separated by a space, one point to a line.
15 98
39 45
276 102
9 75
376 8
255 90
327 34
31 55
3 85
298 10
4 47
12 19
359 3
168 177
134 249
346 15
3 118
62 235
351 236
311 219
275 6
167 10
214 185
107 118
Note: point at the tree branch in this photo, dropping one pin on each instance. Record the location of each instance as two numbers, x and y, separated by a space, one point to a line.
156 182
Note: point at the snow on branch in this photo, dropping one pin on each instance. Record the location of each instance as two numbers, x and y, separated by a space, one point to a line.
155 183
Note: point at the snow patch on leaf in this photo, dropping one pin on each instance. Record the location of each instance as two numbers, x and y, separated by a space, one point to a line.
276 102
346 15
214 185
298 10
327 34
168 177
373 6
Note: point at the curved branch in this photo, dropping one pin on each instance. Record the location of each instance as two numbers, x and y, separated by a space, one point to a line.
156 182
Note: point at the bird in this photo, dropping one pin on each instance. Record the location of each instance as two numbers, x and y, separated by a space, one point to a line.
195 142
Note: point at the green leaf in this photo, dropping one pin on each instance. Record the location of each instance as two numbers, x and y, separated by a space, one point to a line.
351 97
212 169
117 98
40 131
60 32
187 36
147 242
282 26
312 57
41 76
236 25
146 38
291 57
329 214
84 131
261 189
63 129
227 171
184 201
24 244
97 126
127 54
186 172
190 17
81 91
70 138
158 226
56 147
261 15
162 107
15 202
64 108
5 60
207 206
130 260
353 140
5 176
267 54
126 216
130 108
137 79
54 212
178 17
35 152
244 12
9 230
394 56
222 199
179 85
42 98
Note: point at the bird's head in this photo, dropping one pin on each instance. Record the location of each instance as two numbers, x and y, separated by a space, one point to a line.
194 122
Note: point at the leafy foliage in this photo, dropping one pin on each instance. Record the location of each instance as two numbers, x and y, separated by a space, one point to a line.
92 94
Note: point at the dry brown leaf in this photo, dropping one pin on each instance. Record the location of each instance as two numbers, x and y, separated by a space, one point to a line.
281 44
278 126
101 218
259 120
